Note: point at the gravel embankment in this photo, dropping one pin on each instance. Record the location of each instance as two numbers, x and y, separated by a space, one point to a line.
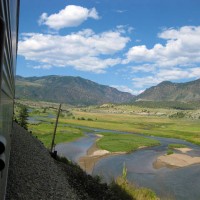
33 174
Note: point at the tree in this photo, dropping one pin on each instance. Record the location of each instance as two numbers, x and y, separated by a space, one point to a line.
23 116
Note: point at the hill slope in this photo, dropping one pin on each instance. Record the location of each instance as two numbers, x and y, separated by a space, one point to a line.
168 91
68 89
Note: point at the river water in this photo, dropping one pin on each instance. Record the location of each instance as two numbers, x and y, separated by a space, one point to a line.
168 183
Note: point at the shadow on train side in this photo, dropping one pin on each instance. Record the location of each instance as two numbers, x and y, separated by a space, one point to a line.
9 19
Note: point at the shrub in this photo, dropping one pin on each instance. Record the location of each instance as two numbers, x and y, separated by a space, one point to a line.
177 115
169 152
23 117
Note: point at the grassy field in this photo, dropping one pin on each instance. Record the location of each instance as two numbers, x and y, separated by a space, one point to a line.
148 121
44 132
186 129
42 123
114 142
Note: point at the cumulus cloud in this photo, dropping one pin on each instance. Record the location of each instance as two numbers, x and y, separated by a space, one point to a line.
160 75
182 47
178 58
82 50
93 64
70 16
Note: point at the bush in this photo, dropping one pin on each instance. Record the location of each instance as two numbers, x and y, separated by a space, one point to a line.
177 115
23 117
169 152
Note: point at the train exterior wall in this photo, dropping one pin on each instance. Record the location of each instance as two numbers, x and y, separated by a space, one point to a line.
9 14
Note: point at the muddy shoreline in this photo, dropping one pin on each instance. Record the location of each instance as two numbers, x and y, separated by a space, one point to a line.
94 154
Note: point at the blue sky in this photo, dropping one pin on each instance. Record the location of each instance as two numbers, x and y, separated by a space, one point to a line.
128 44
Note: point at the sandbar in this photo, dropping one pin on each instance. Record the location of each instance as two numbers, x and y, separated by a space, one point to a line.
176 160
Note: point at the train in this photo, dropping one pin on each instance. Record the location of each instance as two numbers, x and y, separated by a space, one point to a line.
9 23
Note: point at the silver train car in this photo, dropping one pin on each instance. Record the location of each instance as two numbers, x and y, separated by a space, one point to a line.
9 18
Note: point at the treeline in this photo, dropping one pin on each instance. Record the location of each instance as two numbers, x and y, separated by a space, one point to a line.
168 104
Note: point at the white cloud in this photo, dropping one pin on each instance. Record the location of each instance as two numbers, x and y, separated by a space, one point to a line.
70 16
130 29
42 67
195 72
137 40
93 64
143 68
82 50
125 29
178 59
147 81
140 54
173 74
166 74
182 48
124 88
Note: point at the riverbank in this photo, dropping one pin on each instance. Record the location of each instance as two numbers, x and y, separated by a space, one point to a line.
175 160
111 144
94 154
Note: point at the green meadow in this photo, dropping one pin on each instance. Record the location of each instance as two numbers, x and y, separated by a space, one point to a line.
127 118
163 126
115 142
44 132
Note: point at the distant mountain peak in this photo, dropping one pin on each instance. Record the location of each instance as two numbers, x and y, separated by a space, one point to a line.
165 83
168 91
68 89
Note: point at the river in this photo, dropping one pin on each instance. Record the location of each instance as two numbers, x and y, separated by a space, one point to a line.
168 183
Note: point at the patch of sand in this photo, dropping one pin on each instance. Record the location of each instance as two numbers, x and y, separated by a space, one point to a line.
99 135
100 153
184 150
142 147
176 160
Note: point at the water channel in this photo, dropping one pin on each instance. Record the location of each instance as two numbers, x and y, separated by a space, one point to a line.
168 183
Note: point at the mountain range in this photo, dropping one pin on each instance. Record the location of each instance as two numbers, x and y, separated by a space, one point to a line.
68 89
168 91
80 91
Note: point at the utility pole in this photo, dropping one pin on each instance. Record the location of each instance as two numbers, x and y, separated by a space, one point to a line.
54 134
